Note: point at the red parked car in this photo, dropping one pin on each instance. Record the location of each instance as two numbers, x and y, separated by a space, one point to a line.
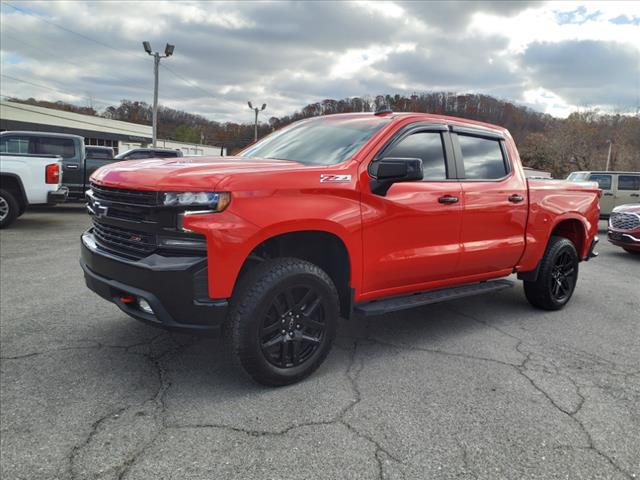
624 227
330 216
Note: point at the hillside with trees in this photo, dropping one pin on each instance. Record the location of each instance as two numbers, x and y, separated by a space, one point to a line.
579 142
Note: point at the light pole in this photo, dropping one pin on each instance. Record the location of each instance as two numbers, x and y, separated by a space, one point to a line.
608 156
168 51
256 109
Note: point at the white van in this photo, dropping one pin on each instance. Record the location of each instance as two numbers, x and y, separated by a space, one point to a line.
618 188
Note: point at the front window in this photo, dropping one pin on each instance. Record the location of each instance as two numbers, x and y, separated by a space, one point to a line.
578 177
326 141
426 146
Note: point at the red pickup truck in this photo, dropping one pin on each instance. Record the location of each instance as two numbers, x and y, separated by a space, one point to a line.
330 216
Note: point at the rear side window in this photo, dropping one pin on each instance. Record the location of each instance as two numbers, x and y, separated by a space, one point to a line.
98 153
604 181
138 155
629 182
164 154
63 147
426 146
482 158
14 145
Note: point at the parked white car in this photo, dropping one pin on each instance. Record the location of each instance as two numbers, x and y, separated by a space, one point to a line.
618 188
27 180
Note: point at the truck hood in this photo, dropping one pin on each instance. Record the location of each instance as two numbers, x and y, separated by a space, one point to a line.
184 173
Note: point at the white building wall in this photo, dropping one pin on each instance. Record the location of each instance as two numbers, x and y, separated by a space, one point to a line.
46 116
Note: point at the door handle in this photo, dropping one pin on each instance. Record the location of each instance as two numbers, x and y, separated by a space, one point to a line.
71 166
635 195
608 194
448 199
516 198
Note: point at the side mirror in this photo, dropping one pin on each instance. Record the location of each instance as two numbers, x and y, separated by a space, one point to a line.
390 170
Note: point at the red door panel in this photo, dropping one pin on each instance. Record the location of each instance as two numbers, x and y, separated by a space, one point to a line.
409 237
493 227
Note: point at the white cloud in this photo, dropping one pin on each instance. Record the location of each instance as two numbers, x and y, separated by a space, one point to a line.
288 54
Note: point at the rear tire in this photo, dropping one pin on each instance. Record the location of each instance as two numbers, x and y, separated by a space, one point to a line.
283 320
634 252
9 208
557 276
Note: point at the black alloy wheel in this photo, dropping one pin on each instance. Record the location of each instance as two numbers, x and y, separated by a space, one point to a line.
557 276
563 276
293 327
282 320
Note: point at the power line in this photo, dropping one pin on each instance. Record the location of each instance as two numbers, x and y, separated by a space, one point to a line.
65 92
34 47
187 81
86 37
40 17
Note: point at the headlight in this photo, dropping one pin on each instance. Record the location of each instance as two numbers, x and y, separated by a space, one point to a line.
216 201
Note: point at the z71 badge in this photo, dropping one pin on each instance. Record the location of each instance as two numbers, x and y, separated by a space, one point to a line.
332 178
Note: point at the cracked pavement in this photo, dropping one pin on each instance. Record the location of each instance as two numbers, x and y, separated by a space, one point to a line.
479 388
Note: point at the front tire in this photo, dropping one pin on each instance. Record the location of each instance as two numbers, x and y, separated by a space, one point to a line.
283 320
9 208
557 276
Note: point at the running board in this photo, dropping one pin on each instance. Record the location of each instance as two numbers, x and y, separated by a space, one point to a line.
380 307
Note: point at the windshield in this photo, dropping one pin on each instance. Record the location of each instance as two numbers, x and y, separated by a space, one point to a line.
326 141
578 177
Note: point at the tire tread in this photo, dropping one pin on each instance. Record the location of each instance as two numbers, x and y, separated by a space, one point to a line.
250 292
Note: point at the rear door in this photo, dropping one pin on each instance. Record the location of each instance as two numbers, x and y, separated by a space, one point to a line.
495 203
72 159
411 235
96 158
628 190
605 183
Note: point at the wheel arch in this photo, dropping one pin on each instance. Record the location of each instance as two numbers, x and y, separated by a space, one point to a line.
573 229
323 248
13 184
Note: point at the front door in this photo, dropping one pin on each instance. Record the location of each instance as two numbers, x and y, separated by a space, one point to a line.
495 205
411 235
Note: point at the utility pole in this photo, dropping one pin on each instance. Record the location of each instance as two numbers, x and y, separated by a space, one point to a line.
608 155
168 51
256 109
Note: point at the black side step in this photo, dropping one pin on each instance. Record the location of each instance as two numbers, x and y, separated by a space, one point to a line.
380 307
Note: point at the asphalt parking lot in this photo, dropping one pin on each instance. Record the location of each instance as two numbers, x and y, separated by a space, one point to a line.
479 388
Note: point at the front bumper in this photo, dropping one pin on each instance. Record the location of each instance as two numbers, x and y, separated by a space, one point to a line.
58 196
624 238
174 287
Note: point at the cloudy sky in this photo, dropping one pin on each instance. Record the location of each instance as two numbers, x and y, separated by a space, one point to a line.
552 56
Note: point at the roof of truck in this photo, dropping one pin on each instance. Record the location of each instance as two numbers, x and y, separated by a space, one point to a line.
419 116
42 134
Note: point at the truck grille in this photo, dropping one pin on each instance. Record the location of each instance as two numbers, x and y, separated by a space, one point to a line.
130 243
625 221
121 195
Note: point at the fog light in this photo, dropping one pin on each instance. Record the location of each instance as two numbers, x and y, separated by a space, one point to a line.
144 306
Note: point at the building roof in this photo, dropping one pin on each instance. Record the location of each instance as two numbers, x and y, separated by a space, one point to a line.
31 114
